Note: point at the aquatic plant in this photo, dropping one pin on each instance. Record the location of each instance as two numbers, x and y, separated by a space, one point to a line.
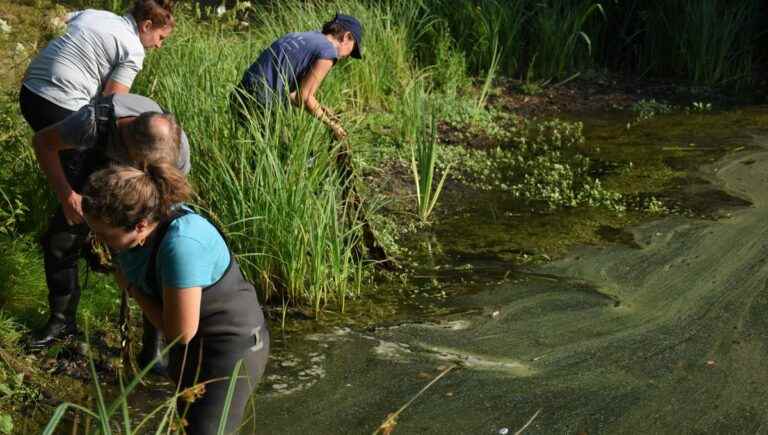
646 109
490 74
483 29
423 160
700 107
542 163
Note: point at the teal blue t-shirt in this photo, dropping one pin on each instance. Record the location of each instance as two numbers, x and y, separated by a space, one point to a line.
192 254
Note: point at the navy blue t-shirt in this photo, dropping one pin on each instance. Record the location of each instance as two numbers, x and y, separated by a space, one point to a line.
283 65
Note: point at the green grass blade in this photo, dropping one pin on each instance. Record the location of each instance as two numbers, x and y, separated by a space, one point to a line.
228 400
58 414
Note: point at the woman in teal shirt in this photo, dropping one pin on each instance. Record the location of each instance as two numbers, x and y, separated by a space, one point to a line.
177 267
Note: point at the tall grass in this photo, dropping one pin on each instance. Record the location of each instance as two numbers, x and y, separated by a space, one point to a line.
419 133
559 42
711 43
423 160
483 28
284 218
281 214
555 32
115 416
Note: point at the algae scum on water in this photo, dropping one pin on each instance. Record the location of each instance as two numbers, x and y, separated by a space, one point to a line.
662 335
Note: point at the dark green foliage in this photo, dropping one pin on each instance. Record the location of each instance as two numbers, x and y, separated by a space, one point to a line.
706 41
709 42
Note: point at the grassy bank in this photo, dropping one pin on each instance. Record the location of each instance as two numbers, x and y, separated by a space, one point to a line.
285 217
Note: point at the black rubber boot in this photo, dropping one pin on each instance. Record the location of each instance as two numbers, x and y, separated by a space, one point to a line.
152 344
61 324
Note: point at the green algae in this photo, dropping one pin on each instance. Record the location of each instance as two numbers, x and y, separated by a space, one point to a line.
661 335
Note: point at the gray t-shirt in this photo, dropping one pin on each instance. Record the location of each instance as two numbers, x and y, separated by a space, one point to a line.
73 68
283 65
80 129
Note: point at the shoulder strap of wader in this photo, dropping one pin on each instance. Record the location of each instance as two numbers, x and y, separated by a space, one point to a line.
152 278
106 122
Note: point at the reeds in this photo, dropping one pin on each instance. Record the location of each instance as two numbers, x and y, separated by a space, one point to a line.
559 42
272 183
419 133
423 160
708 41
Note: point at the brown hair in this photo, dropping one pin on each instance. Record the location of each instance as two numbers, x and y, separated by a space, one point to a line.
152 138
121 196
335 29
159 12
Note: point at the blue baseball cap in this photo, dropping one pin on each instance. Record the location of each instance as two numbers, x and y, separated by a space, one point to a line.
352 25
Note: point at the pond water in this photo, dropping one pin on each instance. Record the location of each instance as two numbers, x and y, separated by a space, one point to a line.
660 328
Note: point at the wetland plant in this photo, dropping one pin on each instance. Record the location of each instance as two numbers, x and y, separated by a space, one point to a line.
562 44
700 107
423 160
419 132
115 416
284 218
646 109
711 42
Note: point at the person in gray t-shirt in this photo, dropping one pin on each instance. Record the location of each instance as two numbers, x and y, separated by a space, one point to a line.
101 53
120 128
294 66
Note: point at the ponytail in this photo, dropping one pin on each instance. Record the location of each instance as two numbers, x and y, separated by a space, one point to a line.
159 12
172 187
123 196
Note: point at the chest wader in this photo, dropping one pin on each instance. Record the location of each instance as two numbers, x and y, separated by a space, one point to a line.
63 243
63 246
231 328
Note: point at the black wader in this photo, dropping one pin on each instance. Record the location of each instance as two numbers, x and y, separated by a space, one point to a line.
231 328
63 244
62 247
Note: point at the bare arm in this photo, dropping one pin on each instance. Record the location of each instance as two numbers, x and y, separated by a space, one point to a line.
150 306
181 313
47 144
178 316
305 96
113 87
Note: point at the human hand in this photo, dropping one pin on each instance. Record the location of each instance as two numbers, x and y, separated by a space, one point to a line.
331 115
73 208
338 132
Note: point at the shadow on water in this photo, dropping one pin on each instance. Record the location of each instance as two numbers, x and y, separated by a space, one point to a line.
661 331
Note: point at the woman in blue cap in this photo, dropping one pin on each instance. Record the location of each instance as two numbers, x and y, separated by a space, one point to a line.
294 66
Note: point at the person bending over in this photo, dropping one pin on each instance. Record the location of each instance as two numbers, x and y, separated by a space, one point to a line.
293 68
100 54
118 128
178 268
